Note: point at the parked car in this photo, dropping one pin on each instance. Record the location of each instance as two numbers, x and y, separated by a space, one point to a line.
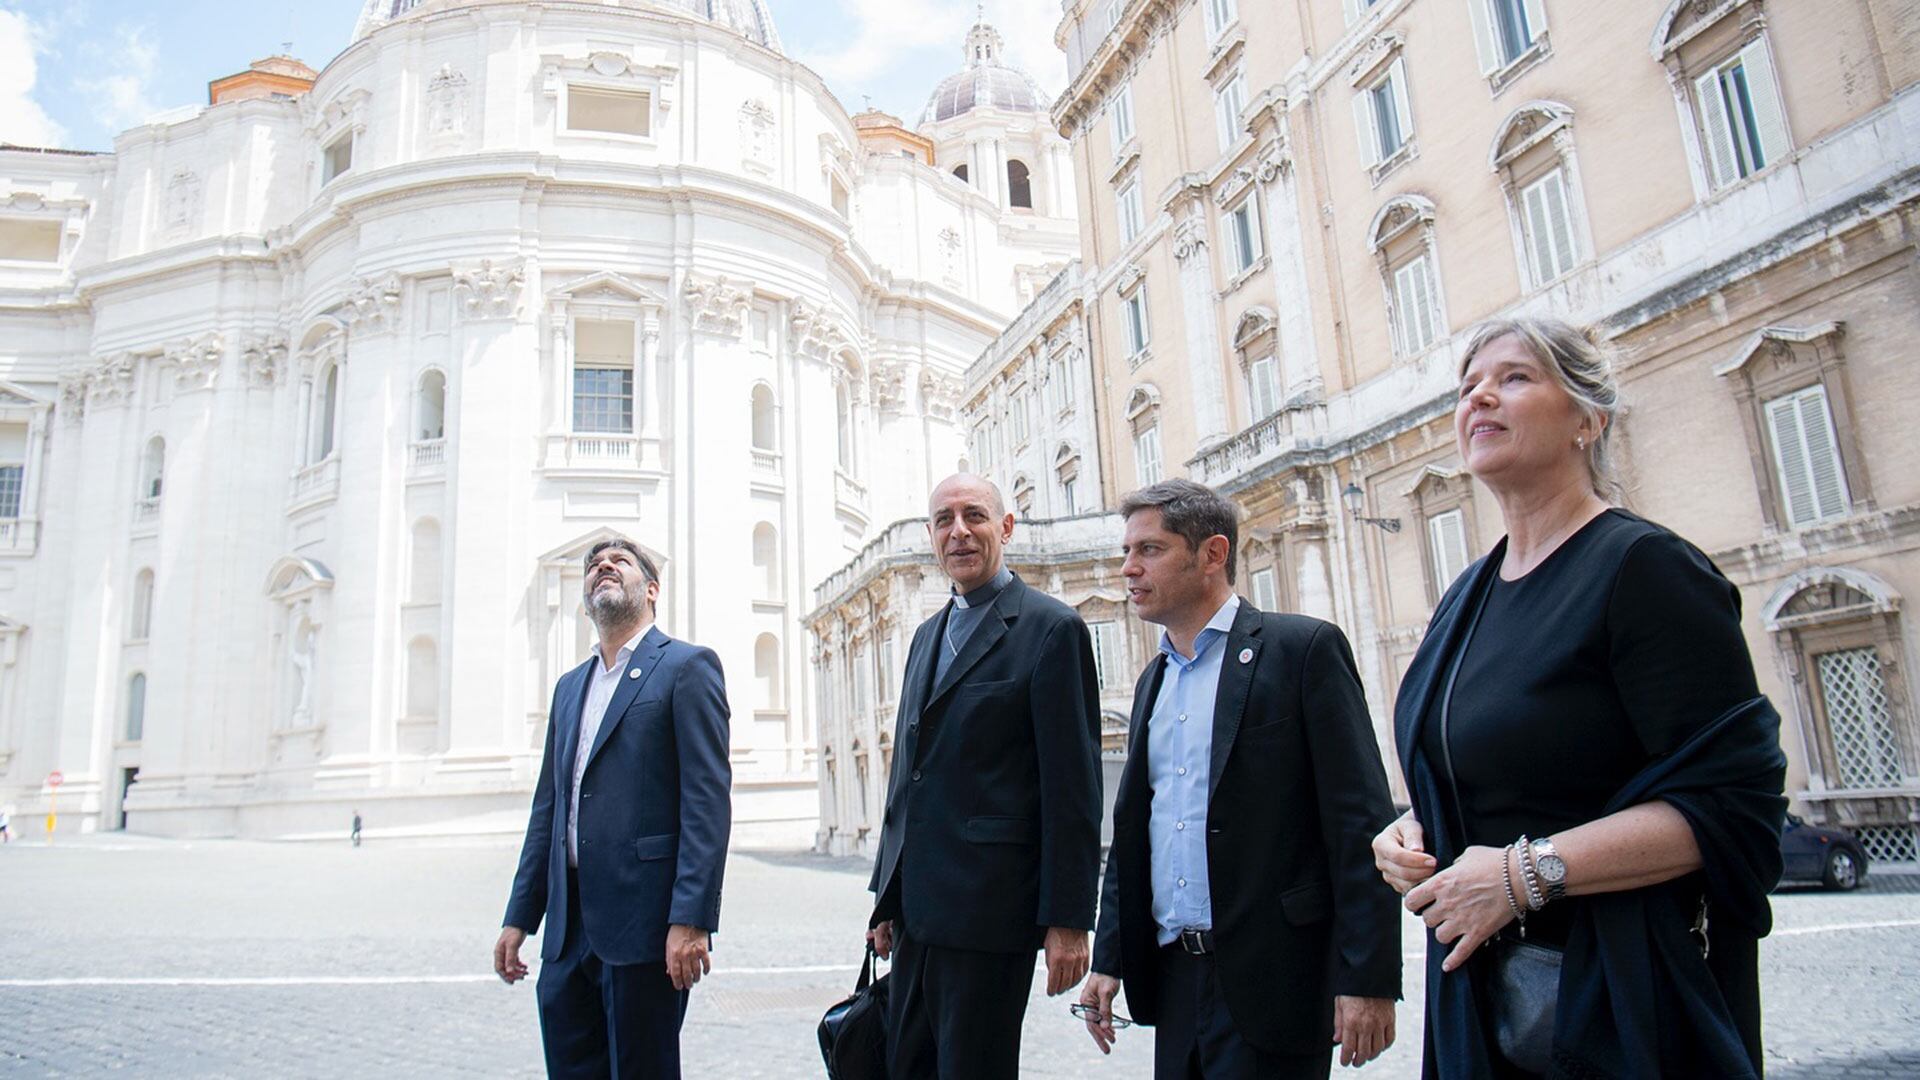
1832 857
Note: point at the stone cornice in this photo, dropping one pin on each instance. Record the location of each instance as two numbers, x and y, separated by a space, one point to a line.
1134 37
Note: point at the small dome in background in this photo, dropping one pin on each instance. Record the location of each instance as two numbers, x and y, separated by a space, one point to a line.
748 18
985 83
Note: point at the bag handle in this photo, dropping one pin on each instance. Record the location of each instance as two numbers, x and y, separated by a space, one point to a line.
866 971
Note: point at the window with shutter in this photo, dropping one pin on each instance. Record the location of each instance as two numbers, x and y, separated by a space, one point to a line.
1131 215
1414 305
1742 122
1447 539
1109 668
1813 483
1146 455
1136 314
1263 388
1547 221
1227 104
1122 117
1266 596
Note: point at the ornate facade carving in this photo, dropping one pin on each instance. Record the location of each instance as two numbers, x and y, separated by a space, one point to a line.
490 290
717 305
813 331
196 362
447 105
890 385
263 357
940 394
373 303
112 382
757 124
182 215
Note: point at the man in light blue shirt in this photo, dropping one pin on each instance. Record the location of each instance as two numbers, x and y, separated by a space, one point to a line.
1241 908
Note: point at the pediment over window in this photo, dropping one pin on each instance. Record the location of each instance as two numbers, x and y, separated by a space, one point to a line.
294 576
1145 396
1778 343
1256 323
1685 20
1400 214
1828 594
607 286
1434 481
1525 128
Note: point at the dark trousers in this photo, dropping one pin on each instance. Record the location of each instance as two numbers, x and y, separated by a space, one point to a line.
955 1014
600 1020
1196 1039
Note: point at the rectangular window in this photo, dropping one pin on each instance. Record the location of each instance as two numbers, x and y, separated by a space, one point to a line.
1066 494
1113 13
1135 305
1742 123
603 377
337 159
1547 222
1220 15
886 666
1806 455
1122 116
1108 662
982 449
1266 594
1416 309
1132 216
616 112
1243 235
12 481
1382 117
842 202
1447 543
29 241
1021 420
1263 388
1228 103
1146 456
1062 384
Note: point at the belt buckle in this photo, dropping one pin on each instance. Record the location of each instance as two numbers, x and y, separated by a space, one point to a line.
1194 941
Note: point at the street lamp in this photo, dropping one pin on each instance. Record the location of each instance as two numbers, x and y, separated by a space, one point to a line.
1356 501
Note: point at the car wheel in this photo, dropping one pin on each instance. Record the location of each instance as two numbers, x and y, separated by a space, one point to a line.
1843 870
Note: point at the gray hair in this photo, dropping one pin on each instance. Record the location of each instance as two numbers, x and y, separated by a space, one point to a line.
647 568
1583 367
1194 512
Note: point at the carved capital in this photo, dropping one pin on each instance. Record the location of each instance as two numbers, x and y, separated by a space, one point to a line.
111 383
813 332
263 357
717 305
373 303
940 394
196 362
490 290
890 385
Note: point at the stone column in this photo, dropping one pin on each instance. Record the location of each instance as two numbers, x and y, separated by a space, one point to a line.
1207 386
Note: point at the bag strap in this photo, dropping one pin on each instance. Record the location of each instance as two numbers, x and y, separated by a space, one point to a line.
866 971
1479 601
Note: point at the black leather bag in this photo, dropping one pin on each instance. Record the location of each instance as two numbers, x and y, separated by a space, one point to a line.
853 1034
1526 995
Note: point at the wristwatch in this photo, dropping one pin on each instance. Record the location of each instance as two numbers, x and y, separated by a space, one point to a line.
1553 869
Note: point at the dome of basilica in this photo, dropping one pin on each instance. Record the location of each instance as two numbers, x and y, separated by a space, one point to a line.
985 83
748 18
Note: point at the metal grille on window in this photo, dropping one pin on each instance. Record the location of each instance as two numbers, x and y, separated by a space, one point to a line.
11 478
603 400
1890 843
1866 750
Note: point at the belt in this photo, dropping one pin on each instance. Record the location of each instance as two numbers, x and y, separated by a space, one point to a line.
1196 942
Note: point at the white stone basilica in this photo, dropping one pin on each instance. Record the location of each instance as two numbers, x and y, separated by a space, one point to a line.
312 399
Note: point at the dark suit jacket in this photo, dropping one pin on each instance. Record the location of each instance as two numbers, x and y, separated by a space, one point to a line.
992 828
1296 794
655 807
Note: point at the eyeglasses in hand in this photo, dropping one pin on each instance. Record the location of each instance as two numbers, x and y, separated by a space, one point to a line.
1091 1014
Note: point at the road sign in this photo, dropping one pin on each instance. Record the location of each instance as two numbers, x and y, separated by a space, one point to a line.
55 779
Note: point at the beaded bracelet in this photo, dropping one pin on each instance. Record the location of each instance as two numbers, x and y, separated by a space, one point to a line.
1529 874
1513 903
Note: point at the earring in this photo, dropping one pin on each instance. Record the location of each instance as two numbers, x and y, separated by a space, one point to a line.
1581 442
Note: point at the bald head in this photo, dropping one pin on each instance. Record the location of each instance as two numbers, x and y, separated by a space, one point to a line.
970 527
978 487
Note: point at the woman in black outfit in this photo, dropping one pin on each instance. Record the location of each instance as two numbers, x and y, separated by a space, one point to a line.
1596 780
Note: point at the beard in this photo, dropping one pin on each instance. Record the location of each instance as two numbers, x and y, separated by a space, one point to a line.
617 605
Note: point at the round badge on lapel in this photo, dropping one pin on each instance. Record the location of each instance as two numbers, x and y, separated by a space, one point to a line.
635 673
1246 656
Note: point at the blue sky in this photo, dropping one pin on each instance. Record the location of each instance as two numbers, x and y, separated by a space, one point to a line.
73 73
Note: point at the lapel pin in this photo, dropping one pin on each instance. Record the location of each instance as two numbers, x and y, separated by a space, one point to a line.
635 673
1246 656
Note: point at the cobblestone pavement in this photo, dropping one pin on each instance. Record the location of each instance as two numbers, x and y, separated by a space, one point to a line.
223 959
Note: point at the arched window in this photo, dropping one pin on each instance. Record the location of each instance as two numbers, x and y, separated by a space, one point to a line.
423 679
136 707
141 625
765 422
1019 185
766 560
960 173
843 417
424 566
1402 240
766 672
153 468
430 409
326 408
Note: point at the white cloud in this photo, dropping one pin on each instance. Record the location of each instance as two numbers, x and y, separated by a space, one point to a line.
887 32
125 98
1028 27
22 120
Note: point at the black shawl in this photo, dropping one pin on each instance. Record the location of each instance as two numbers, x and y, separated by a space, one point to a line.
1636 997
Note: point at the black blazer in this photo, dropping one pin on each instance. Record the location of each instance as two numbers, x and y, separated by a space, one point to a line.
1296 794
655 807
992 827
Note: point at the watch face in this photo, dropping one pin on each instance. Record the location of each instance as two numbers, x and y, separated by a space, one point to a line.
1552 868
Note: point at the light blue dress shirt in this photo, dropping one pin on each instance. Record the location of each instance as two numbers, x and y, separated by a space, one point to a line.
1179 752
